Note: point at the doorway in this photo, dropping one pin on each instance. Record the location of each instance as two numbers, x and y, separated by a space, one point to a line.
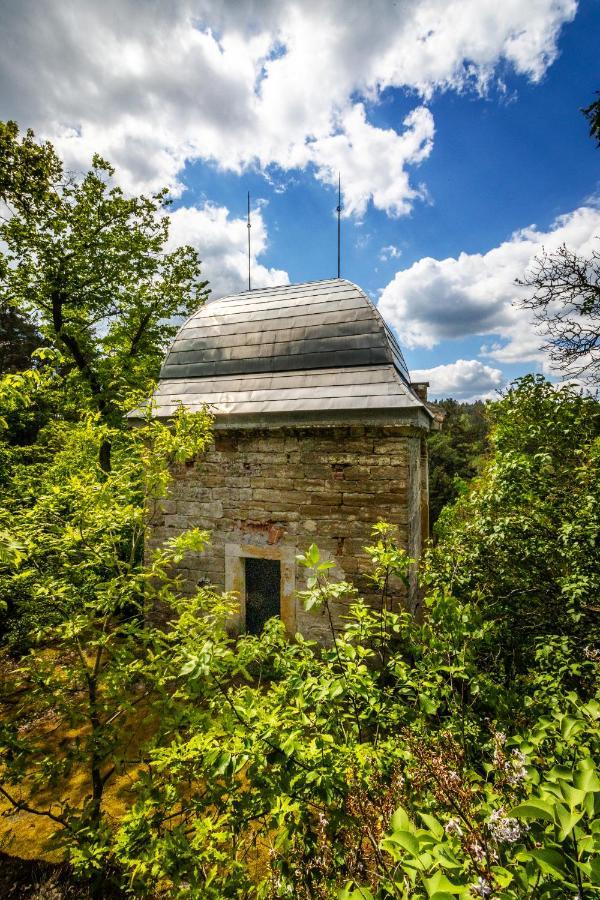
263 592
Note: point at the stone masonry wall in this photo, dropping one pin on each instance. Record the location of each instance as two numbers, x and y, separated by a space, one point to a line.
279 490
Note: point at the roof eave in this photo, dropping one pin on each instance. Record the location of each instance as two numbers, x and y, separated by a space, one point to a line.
410 417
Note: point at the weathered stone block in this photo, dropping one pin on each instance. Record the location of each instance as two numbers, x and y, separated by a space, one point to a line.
292 487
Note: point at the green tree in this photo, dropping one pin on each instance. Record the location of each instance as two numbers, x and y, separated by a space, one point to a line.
405 759
86 264
523 541
99 665
376 767
18 339
456 452
592 114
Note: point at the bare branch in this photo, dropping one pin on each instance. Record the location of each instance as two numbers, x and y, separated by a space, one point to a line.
24 807
566 307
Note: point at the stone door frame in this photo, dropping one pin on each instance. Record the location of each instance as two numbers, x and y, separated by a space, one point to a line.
235 580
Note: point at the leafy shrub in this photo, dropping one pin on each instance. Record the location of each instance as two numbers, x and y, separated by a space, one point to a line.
523 543
453 757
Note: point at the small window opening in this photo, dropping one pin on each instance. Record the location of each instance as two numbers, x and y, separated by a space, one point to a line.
263 581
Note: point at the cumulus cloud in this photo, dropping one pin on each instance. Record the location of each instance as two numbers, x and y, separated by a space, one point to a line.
389 252
374 160
465 379
437 299
222 244
155 85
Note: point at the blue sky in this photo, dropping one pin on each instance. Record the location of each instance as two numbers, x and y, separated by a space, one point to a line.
455 124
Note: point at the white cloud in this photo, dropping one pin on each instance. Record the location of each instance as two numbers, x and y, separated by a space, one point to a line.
222 244
437 299
374 160
389 252
465 379
154 85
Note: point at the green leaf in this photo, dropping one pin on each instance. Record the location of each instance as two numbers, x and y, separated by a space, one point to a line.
189 666
551 862
434 826
290 744
502 876
557 773
568 820
534 808
586 776
350 892
428 704
441 884
569 726
589 804
312 556
406 840
573 796
401 821
222 763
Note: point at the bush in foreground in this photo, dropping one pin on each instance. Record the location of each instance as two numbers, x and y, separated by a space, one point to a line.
448 758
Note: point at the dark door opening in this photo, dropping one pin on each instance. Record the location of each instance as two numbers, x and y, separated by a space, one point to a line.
263 580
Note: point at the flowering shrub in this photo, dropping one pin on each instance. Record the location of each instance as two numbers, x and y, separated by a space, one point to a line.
535 834
435 759
365 770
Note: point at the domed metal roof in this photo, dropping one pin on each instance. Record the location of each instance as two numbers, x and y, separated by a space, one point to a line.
300 326
318 349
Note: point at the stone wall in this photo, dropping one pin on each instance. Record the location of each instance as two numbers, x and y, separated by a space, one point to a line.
274 492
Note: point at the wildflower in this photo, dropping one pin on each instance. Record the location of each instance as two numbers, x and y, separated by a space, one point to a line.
477 852
515 766
499 742
452 826
482 888
504 829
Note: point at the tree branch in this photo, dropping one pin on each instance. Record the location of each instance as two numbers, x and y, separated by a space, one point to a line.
24 807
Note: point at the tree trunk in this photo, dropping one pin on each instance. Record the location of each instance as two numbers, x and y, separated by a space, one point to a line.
84 365
104 457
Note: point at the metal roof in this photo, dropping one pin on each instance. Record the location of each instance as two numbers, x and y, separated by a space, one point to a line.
301 352
299 326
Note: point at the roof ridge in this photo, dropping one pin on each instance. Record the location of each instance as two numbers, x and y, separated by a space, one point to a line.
278 287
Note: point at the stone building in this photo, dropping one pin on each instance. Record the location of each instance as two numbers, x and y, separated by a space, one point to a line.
318 434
